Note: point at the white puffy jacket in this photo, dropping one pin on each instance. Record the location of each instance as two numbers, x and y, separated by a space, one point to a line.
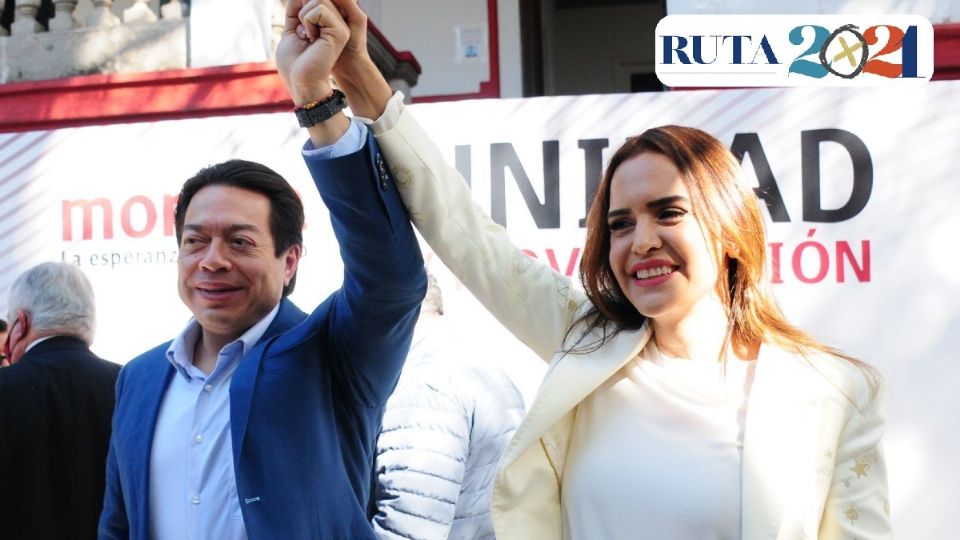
444 429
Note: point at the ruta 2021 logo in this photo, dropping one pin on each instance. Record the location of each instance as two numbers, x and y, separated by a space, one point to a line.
788 50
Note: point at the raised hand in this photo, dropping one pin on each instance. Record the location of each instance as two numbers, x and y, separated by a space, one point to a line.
355 52
314 35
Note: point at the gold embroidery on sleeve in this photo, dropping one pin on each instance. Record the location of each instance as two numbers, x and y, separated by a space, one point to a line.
852 514
401 176
862 468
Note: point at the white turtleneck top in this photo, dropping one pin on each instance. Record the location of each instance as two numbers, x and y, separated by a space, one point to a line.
656 452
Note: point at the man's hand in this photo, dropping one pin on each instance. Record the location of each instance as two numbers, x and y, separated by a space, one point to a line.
314 35
355 55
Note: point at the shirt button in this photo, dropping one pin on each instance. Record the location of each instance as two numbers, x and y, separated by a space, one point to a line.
195 499
208 388
198 439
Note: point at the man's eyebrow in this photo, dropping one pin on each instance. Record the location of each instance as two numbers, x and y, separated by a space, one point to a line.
243 227
231 229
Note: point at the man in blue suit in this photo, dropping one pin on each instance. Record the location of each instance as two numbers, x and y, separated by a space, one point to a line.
258 420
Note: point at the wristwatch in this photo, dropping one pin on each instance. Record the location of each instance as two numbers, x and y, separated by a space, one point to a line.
311 114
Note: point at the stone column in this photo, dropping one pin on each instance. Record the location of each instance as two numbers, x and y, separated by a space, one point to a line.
102 14
277 19
25 18
172 10
63 16
139 12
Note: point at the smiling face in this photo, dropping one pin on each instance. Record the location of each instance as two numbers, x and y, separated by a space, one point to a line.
229 274
659 253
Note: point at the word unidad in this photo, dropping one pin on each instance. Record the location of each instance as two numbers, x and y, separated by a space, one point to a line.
140 216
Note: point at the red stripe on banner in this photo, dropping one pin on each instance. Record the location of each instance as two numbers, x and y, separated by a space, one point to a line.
16 172
8 232
10 140
756 105
18 264
714 103
43 153
39 137
559 110
613 116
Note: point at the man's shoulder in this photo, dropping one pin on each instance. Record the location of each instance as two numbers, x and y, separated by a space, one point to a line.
94 363
55 361
292 326
158 351
19 372
107 365
149 359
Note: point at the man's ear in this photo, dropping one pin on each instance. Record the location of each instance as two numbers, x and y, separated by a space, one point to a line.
23 320
17 330
291 259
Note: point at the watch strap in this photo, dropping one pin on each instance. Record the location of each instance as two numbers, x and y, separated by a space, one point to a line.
311 114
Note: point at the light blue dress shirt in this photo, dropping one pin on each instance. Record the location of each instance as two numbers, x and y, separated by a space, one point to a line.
193 487
349 142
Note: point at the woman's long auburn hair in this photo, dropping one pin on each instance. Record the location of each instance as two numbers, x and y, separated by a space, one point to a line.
730 214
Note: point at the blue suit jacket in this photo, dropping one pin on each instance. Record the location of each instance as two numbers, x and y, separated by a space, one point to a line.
305 402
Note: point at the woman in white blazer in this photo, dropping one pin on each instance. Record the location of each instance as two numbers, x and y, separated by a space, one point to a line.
677 316
678 403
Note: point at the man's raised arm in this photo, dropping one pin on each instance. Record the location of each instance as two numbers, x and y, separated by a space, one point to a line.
372 316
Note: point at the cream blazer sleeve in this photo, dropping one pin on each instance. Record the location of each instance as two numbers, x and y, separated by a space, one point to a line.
856 505
528 297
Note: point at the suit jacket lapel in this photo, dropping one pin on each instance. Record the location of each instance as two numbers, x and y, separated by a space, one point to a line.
568 382
245 377
146 397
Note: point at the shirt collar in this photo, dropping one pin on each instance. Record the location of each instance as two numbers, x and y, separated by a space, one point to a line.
36 342
180 351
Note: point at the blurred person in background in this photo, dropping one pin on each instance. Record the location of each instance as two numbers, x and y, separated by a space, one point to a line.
56 401
444 429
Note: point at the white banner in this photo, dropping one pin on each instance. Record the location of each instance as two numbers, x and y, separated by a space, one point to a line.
860 184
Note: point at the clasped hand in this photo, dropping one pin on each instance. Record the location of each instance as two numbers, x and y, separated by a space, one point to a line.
315 34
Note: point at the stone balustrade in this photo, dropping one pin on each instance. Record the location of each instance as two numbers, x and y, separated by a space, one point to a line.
92 37
54 39
27 17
